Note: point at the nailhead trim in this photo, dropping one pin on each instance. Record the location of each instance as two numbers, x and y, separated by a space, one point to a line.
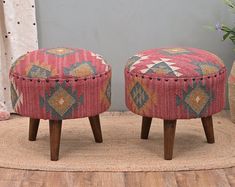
171 78
76 79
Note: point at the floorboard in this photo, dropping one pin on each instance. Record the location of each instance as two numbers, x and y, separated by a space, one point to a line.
204 178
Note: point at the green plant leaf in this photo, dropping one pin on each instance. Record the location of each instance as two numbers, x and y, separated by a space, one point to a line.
226 29
230 3
232 38
226 35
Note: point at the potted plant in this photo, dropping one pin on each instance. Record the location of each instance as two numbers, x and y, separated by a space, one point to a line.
229 33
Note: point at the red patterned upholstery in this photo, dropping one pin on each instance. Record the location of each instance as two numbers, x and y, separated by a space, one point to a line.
60 83
175 83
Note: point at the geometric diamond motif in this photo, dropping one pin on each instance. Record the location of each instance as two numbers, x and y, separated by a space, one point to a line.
100 58
206 68
175 51
162 67
37 69
132 60
38 72
139 95
60 52
16 97
61 101
80 69
196 99
105 93
108 91
135 60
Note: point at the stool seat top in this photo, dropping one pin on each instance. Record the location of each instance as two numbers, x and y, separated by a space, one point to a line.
59 63
175 62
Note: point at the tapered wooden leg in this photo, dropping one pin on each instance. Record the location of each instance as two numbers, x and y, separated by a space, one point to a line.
146 124
33 128
169 136
208 128
96 129
55 133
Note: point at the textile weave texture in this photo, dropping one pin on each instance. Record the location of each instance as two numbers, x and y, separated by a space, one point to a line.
175 83
60 83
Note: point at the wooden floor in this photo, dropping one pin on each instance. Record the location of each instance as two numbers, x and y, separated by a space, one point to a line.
207 178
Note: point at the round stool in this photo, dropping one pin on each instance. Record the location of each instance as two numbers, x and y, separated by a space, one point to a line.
58 84
175 83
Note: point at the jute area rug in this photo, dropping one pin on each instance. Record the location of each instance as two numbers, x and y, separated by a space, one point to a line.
122 149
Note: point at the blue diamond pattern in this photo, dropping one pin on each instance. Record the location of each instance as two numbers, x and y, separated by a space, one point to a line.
61 101
38 72
196 99
14 96
108 91
139 95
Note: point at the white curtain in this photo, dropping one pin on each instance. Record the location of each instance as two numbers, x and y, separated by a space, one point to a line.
18 34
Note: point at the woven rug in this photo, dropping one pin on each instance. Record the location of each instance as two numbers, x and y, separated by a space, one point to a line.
122 149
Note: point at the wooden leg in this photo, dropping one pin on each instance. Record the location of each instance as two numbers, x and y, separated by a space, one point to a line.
96 129
33 128
169 136
55 133
146 124
208 128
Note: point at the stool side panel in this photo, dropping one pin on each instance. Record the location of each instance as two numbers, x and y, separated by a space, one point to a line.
175 98
61 99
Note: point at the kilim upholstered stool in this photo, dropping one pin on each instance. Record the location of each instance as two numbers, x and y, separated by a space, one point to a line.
58 84
175 83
